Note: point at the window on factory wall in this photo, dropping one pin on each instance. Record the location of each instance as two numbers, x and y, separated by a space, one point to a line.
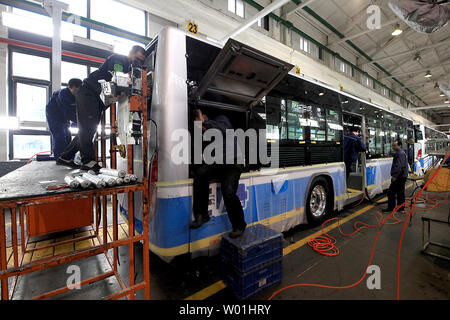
120 45
237 7
71 70
30 102
264 23
343 67
304 45
27 21
30 66
25 146
367 81
118 15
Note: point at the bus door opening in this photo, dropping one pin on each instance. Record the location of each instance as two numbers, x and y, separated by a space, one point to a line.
355 180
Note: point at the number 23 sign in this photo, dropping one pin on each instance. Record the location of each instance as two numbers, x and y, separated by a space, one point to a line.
192 27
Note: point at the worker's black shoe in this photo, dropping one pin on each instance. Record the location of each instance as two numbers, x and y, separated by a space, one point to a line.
64 162
387 210
198 222
91 167
236 233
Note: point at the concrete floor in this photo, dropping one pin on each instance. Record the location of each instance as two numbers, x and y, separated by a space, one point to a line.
421 276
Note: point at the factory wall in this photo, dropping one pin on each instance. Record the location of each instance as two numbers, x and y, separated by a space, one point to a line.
215 22
3 88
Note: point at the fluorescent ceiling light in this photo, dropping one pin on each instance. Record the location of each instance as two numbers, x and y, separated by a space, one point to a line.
397 31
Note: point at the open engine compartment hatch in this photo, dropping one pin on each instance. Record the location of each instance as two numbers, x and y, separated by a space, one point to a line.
240 77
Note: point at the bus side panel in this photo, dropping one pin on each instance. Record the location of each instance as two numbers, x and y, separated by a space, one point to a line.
378 175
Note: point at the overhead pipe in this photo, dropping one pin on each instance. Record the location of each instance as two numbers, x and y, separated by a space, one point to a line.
354 46
298 7
291 26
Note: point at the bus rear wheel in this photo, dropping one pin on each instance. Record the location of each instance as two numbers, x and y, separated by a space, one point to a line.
318 201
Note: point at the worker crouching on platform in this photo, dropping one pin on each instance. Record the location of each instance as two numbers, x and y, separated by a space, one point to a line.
399 174
90 107
60 111
227 174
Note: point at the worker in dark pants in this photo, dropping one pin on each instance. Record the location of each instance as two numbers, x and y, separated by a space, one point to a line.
60 111
399 174
227 173
352 146
90 107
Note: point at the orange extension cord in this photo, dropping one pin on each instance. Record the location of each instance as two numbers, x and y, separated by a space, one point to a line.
325 244
34 155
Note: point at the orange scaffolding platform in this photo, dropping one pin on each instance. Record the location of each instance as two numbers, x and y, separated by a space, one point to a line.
25 187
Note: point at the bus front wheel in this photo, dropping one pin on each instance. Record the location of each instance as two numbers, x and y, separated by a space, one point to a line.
318 201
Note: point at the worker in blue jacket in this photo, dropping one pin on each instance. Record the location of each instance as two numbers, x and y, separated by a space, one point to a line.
60 111
352 146
399 174
90 107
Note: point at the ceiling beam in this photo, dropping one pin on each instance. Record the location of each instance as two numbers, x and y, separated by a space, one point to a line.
438 106
356 35
298 7
417 71
409 51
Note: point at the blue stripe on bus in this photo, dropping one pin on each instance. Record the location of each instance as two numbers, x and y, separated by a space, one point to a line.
170 226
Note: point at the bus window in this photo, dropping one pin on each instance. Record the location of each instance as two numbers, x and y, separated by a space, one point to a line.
284 120
334 127
273 118
297 115
317 124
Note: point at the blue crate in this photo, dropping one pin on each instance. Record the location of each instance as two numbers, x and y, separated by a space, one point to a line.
245 285
258 245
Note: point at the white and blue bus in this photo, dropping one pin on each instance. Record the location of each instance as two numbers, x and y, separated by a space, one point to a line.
306 119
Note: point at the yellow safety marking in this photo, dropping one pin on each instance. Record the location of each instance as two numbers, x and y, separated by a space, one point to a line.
208 291
64 248
84 243
28 255
219 285
44 252
123 233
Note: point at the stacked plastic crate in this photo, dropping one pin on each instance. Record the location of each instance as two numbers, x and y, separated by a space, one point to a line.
252 262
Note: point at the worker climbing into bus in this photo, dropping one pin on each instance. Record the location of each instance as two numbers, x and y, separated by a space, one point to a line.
352 146
399 174
60 112
227 173
89 108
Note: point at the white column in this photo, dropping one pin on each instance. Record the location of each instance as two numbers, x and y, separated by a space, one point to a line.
3 88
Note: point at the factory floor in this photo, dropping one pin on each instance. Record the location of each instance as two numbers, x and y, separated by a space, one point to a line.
421 276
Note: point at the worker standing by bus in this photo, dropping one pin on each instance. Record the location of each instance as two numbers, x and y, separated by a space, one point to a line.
60 111
399 174
352 146
90 107
227 174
